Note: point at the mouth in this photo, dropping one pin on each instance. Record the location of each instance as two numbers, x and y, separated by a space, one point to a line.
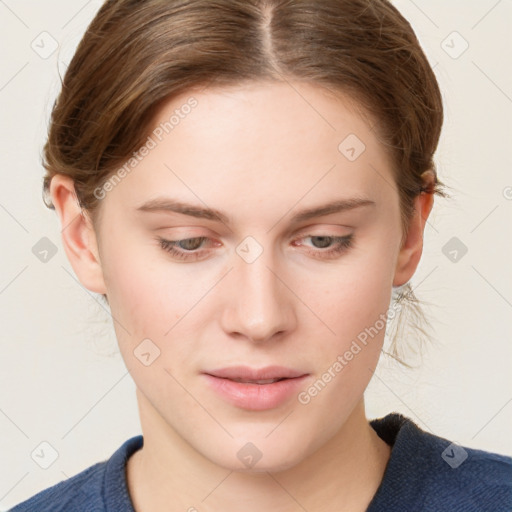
254 375
265 381
256 389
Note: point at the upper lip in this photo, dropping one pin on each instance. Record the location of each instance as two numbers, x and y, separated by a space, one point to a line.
247 373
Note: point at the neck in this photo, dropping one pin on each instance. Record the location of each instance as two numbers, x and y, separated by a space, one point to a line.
168 474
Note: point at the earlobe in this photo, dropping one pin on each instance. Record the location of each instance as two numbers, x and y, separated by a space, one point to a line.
412 247
78 235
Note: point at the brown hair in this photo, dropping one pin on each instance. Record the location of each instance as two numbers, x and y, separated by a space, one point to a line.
136 54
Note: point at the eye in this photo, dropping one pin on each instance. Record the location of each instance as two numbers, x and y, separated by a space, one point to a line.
187 246
192 249
341 244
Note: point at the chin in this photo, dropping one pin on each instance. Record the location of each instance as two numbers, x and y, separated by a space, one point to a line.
258 456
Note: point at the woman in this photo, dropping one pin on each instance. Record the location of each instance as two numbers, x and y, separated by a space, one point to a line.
247 184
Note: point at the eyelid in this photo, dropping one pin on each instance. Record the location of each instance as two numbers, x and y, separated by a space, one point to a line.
293 232
326 230
323 228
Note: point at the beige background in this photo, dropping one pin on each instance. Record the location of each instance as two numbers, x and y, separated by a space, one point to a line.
61 378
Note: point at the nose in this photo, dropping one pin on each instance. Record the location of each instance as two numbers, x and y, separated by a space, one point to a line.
259 305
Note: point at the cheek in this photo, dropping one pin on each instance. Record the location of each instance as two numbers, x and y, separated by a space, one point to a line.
353 296
139 309
355 309
353 303
155 300
138 283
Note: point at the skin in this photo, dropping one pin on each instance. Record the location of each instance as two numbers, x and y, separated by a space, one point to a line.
259 153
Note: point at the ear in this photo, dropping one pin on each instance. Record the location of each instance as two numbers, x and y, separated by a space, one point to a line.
412 247
78 235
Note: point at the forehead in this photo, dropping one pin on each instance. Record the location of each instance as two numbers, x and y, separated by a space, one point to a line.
259 142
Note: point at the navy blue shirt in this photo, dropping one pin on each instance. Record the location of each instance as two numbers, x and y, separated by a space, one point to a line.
425 473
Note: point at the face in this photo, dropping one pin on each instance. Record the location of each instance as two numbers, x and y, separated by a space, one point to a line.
257 283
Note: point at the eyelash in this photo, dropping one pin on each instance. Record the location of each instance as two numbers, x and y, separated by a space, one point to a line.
343 243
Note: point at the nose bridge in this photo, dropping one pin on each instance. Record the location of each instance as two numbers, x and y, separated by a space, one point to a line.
260 306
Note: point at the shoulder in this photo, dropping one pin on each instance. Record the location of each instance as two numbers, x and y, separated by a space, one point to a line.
434 473
92 489
85 487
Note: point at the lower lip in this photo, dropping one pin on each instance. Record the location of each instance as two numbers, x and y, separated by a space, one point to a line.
256 397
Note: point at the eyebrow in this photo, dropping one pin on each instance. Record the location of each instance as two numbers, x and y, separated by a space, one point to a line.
166 204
